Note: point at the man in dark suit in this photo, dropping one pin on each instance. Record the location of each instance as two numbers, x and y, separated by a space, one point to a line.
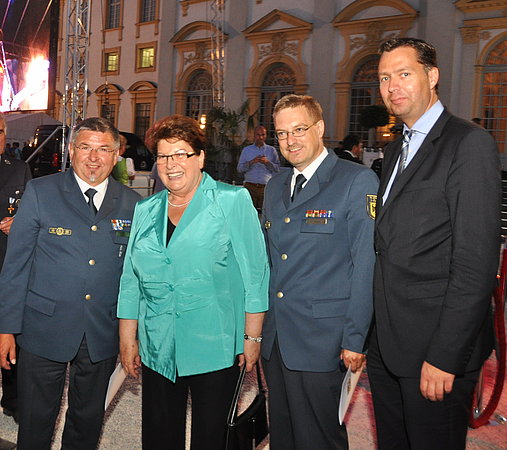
352 149
14 175
318 220
437 237
59 290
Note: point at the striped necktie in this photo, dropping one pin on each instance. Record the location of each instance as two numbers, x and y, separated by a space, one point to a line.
407 134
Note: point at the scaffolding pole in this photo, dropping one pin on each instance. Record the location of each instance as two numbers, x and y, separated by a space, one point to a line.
76 70
218 51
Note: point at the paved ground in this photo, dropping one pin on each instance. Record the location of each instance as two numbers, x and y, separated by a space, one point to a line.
123 420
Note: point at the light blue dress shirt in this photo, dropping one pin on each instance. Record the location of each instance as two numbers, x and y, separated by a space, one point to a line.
419 132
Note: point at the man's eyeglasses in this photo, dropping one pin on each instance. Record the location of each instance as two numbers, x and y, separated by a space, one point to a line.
176 157
100 150
281 135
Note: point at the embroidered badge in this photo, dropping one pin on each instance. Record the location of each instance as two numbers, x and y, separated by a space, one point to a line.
59 231
121 224
371 205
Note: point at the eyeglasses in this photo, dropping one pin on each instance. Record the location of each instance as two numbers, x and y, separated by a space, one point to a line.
281 135
100 150
176 157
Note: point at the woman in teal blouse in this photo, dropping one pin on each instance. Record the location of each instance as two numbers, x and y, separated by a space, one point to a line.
193 291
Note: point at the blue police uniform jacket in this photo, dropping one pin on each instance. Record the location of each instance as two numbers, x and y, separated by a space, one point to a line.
62 269
321 258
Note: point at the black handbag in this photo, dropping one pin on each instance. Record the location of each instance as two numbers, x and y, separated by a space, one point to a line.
246 431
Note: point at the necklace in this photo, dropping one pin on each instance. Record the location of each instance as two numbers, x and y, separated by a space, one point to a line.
178 206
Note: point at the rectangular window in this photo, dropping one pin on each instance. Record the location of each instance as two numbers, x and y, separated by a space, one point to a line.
146 58
142 119
148 10
107 111
113 14
112 62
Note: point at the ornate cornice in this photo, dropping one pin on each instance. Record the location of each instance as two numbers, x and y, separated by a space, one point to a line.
472 6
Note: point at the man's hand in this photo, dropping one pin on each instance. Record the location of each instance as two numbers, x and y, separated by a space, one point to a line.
435 382
251 354
352 359
7 351
5 224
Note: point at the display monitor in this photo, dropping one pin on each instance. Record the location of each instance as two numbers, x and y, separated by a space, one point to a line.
28 36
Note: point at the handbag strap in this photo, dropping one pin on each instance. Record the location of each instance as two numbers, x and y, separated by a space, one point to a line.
233 410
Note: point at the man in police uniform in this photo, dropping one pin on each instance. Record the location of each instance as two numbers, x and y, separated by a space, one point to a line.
14 175
59 290
318 220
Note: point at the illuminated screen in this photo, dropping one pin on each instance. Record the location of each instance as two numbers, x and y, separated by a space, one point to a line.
29 29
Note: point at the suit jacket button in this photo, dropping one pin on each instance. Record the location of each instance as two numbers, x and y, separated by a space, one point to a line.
284 256
287 220
91 262
377 252
93 228
88 297
279 294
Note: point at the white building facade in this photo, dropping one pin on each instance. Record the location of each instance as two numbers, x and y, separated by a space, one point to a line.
151 58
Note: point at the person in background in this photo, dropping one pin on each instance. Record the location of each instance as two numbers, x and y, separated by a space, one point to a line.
123 170
157 182
437 241
193 292
352 149
318 220
14 176
60 287
258 162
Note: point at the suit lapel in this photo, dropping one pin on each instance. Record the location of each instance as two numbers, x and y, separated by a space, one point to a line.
200 202
427 147
110 199
312 188
158 214
74 196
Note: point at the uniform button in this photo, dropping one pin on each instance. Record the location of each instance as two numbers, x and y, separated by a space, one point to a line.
91 262
88 297
93 228
279 294
284 256
287 220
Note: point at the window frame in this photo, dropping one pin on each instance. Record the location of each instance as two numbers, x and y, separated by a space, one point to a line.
108 51
139 48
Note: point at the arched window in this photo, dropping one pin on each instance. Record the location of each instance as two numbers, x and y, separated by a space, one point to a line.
278 81
494 94
199 95
364 92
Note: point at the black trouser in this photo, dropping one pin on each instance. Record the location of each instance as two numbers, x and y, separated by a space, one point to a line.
165 405
406 420
303 407
41 384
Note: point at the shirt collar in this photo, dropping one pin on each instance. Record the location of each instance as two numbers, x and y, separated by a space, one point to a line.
84 186
425 123
312 167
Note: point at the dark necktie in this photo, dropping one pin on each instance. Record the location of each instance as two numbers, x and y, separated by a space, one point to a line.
407 134
300 180
90 194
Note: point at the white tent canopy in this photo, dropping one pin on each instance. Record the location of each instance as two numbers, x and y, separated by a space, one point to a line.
21 127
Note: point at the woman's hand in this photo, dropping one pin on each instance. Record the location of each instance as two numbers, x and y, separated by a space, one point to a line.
251 355
129 347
